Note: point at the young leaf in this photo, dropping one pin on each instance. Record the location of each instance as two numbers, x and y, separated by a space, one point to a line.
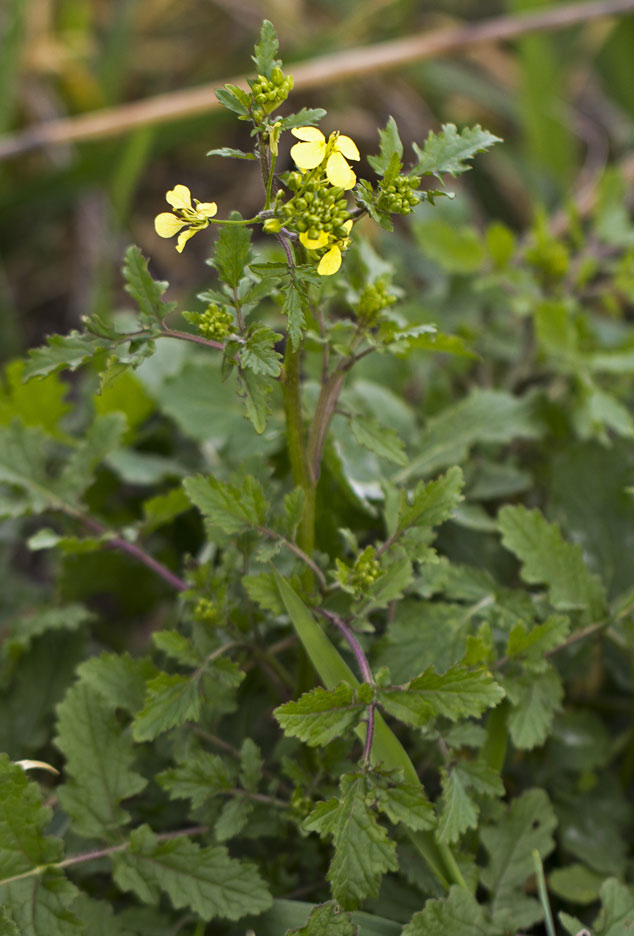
255 390
306 117
532 645
266 49
458 913
450 150
205 880
232 251
535 698
223 505
326 920
459 810
177 646
170 701
527 826
390 146
293 309
432 503
458 693
250 765
321 715
363 851
234 99
547 558
233 817
198 778
263 590
146 291
382 440
99 763
229 151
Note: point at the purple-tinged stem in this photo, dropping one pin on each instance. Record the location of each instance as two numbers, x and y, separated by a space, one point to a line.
118 542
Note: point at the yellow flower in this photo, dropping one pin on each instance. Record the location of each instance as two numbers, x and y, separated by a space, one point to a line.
314 148
331 260
185 216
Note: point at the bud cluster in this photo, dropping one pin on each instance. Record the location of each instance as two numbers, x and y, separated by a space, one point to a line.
268 93
399 196
214 323
205 611
366 569
373 300
315 209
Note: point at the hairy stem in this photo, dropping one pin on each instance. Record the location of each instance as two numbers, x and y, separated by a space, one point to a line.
291 388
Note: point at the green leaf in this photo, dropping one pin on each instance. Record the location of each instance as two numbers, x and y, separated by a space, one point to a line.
535 697
406 803
254 392
232 251
527 826
170 701
198 778
119 678
99 762
37 621
458 693
459 810
286 914
382 440
263 590
450 150
265 50
258 353
250 765
617 916
306 117
23 819
98 918
146 291
363 851
231 508
229 151
431 503
321 715
234 99
67 352
205 880
177 646
7 926
575 883
441 343
548 559
455 248
40 905
390 145
533 645
160 510
458 913
39 403
232 819
483 416
326 920
102 437
293 309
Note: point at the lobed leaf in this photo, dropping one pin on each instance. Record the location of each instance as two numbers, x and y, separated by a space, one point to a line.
458 693
321 715
450 150
171 700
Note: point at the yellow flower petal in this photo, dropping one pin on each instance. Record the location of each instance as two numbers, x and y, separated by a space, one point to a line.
179 197
338 171
310 134
348 225
347 147
308 155
316 242
184 237
330 262
166 224
206 209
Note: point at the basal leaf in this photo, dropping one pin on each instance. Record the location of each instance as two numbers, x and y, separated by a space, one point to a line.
326 920
458 693
99 763
382 440
617 915
171 700
205 880
363 851
458 913
450 150
527 826
548 559
321 715
42 905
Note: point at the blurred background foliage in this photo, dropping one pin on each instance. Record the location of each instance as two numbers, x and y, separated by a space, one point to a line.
563 101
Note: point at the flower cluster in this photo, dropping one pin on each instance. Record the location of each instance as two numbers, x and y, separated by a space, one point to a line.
399 195
184 216
268 93
214 323
363 573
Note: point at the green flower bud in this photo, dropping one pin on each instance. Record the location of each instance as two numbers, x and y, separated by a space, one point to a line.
272 225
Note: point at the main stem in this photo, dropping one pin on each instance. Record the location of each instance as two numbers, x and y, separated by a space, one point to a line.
291 386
